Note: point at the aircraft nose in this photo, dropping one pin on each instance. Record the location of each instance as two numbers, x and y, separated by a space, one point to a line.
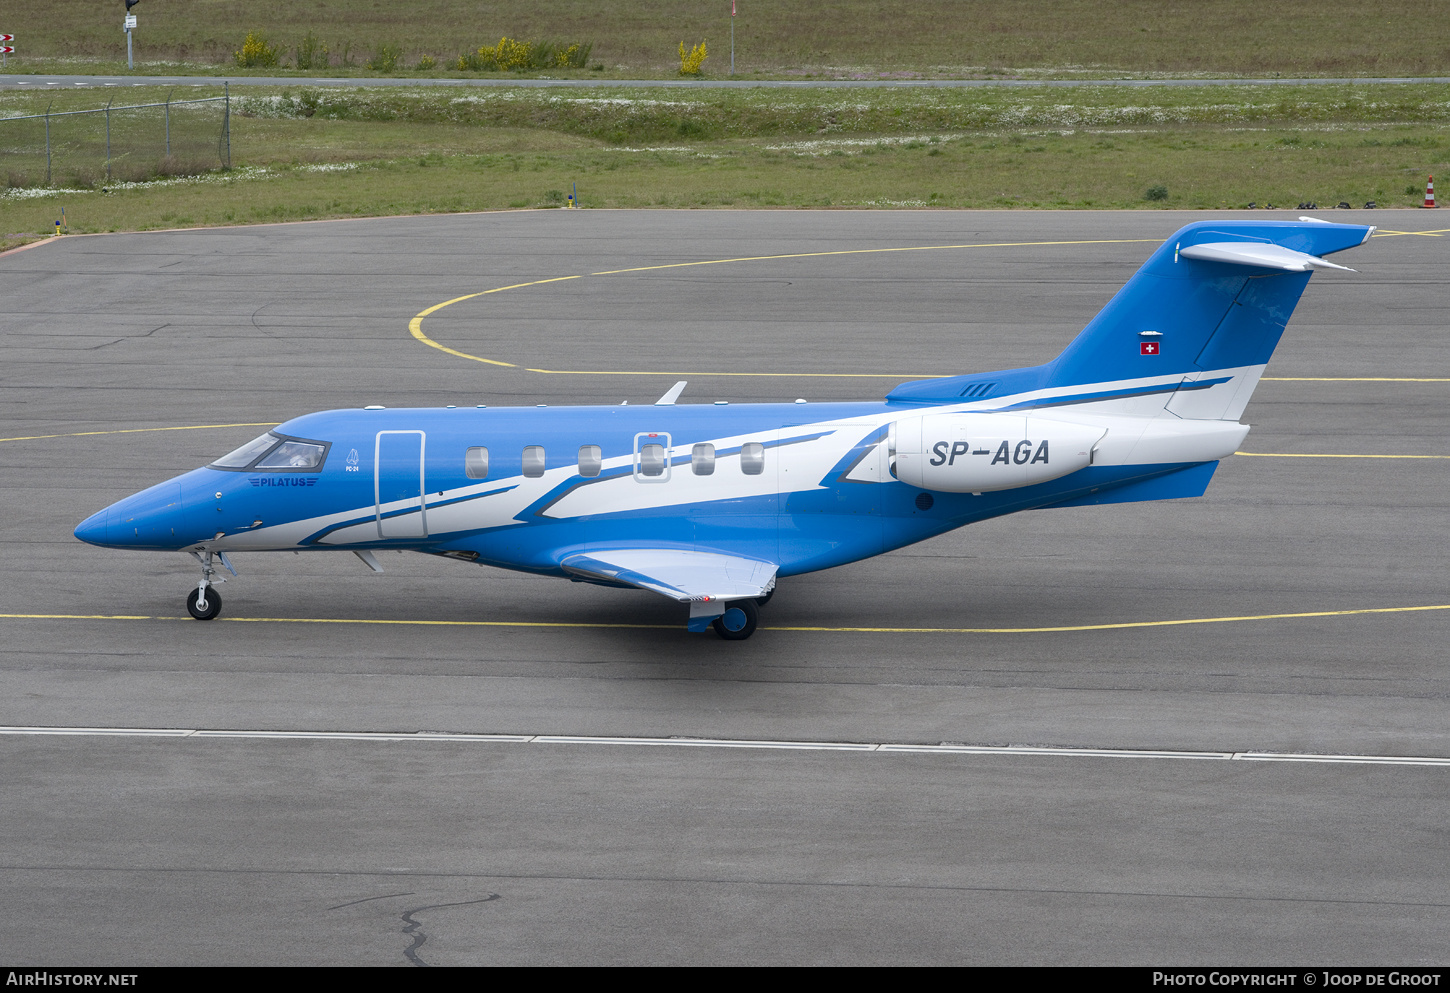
151 519
93 530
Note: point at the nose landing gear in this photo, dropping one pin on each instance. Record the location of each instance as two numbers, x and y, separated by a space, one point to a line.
205 602
204 609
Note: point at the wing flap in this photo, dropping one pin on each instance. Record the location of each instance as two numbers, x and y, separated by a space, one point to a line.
680 574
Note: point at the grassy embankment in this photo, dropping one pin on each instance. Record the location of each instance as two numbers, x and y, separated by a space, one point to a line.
344 153
793 38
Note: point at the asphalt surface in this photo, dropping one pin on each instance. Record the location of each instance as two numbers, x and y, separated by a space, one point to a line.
12 80
147 850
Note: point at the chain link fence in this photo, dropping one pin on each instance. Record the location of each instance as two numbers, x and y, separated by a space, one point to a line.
82 149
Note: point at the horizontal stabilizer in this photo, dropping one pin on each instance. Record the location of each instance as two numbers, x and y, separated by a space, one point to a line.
1258 254
677 573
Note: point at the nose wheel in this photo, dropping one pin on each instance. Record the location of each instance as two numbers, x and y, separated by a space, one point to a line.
739 620
205 602
204 609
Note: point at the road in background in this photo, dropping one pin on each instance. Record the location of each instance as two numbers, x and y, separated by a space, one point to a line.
152 850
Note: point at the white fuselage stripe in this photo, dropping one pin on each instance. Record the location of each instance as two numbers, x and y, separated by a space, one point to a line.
620 495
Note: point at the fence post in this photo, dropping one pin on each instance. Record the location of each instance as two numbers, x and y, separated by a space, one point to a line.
227 122
47 142
168 122
108 139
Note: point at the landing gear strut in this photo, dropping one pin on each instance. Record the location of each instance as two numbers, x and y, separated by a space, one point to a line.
205 602
204 609
739 620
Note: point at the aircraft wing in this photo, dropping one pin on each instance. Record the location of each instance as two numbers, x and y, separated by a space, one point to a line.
687 576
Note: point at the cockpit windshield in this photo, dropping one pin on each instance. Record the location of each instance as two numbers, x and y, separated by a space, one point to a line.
247 454
273 452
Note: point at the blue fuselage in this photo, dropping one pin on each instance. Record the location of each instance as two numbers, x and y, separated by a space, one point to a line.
816 490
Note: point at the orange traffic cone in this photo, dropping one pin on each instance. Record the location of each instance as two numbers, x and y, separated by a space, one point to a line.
1429 193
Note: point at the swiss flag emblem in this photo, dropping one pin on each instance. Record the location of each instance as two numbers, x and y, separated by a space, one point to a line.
1147 348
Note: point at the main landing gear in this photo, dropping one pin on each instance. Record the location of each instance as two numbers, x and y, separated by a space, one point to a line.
739 620
205 602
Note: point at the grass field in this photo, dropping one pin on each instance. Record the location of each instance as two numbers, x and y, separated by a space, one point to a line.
303 154
831 38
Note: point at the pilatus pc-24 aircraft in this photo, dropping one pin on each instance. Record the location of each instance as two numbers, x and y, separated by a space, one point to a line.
711 504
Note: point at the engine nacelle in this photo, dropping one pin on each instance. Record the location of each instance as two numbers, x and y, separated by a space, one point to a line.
979 453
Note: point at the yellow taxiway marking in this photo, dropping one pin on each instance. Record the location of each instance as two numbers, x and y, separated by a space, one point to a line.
1388 233
1322 455
181 427
756 375
415 326
1117 626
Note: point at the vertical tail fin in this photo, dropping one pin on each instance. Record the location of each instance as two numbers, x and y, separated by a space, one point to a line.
1210 304
1199 320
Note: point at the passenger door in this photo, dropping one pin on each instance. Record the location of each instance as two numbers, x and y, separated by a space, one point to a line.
398 480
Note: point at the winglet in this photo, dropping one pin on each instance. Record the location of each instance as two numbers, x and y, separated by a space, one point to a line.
668 400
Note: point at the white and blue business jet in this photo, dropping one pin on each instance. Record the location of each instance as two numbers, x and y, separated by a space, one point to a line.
711 504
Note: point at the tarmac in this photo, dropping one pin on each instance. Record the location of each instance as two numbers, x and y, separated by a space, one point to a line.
1203 731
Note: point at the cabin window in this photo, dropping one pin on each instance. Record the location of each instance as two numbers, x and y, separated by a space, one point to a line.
652 451
702 459
591 460
534 461
247 454
752 458
475 463
652 460
294 455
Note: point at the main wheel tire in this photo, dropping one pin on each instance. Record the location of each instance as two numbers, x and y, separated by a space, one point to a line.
739 620
213 605
761 601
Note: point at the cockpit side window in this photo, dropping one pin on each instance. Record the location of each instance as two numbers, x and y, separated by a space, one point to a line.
276 453
247 454
294 455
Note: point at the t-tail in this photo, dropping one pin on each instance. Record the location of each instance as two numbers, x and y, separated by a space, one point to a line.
1188 336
